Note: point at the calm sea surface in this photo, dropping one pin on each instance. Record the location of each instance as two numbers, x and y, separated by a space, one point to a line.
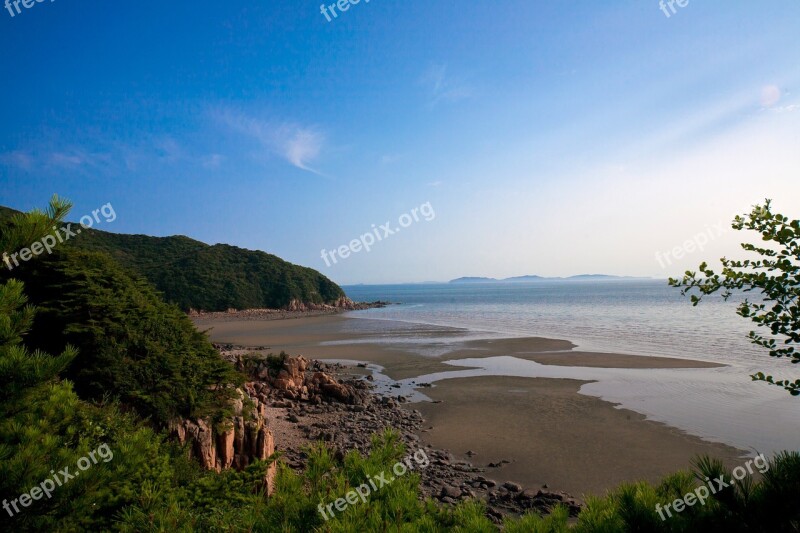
637 317
645 317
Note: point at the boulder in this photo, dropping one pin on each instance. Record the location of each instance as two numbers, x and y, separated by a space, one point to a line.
448 491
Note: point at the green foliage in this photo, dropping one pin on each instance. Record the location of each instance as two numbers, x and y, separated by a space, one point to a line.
555 522
766 505
207 501
45 427
23 229
775 275
132 345
394 507
189 273
19 368
275 362
749 505
194 275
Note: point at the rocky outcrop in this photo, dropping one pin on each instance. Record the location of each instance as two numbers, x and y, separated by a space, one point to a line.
293 309
246 437
236 443
345 414
296 378
343 302
447 479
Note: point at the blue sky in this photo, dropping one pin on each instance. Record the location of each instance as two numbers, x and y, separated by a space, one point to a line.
551 138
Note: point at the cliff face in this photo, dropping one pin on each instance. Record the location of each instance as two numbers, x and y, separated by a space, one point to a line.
236 443
246 437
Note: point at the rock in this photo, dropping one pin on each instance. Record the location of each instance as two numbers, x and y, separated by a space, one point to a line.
177 430
203 445
449 491
389 402
237 405
344 412
225 450
282 384
234 443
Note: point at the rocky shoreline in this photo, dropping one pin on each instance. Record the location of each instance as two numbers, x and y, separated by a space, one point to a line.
295 309
306 401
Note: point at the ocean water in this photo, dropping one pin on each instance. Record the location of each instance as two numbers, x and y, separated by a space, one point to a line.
645 317
642 317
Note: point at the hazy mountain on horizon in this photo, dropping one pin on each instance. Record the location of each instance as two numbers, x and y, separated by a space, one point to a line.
534 278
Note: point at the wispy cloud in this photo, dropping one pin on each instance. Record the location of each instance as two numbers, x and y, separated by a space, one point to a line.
169 150
88 159
772 95
57 159
106 157
442 87
299 145
787 108
62 159
213 160
19 159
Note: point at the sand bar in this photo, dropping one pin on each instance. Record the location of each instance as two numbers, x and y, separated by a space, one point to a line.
548 432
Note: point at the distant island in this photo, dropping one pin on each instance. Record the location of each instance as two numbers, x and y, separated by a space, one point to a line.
530 279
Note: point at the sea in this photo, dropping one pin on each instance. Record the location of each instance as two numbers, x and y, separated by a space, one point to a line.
643 317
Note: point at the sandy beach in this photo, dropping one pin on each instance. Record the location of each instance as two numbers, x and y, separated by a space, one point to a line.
547 431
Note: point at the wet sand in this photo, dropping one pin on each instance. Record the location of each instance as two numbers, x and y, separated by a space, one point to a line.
553 435
549 432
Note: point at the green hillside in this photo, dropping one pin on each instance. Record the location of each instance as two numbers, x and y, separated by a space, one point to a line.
195 275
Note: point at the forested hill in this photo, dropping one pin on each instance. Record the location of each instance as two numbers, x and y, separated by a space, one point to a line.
196 275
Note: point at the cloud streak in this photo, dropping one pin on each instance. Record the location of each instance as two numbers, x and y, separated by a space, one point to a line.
442 87
299 145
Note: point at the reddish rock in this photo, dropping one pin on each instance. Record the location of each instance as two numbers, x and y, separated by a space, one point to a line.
225 449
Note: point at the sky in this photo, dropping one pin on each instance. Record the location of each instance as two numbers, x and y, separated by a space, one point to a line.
549 138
